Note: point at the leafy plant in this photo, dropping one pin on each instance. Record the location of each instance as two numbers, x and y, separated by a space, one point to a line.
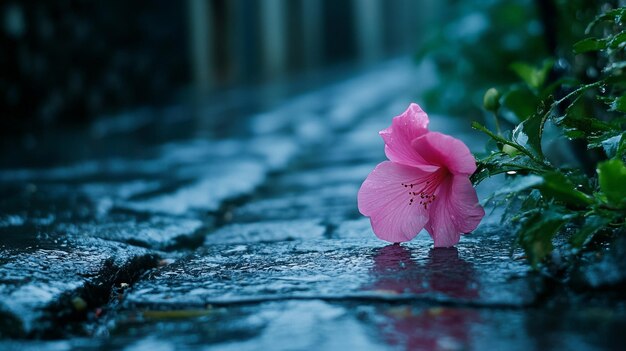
472 51
551 110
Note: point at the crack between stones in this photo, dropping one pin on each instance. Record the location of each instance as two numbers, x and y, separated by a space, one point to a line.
62 318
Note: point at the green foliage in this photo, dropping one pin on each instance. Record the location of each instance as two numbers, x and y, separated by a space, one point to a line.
518 102
612 180
528 133
592 225
538 230
558 187
589 44
473 49
534 77
585 102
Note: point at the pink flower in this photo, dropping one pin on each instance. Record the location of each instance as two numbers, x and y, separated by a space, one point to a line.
425 184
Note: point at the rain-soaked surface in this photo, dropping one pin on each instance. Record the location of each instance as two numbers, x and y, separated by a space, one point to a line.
152 231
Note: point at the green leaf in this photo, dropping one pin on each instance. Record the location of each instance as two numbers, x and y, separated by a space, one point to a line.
528 134
537 232
519 102
617 40
553 185
588 229
557 186
500 138
611 145
578 123
561 83
614 16
501 162
519 183
621 148
532 201
590 44
612 180
614 66
534 77
619 104
600 139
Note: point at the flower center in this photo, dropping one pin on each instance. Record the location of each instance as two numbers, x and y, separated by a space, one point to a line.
423 192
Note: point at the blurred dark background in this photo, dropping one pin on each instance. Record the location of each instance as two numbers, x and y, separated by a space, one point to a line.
67 62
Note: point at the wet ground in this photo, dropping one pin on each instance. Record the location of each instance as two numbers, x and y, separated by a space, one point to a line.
233 226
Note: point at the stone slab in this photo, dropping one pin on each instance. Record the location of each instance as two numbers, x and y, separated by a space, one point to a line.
270 231
479 272
41 278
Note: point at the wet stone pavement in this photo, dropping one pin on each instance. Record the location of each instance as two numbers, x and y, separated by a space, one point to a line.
150 231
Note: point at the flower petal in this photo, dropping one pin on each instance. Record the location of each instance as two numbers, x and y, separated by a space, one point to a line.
404 128
444 150
384 198
455 211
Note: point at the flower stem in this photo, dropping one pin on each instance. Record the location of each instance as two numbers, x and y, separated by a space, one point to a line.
498 138
495 119
577 91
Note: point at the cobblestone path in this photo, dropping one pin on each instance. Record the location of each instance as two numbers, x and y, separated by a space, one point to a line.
234 226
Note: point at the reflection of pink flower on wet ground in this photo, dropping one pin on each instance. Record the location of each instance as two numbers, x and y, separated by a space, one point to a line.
435 328
415 327
443 273
425 184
